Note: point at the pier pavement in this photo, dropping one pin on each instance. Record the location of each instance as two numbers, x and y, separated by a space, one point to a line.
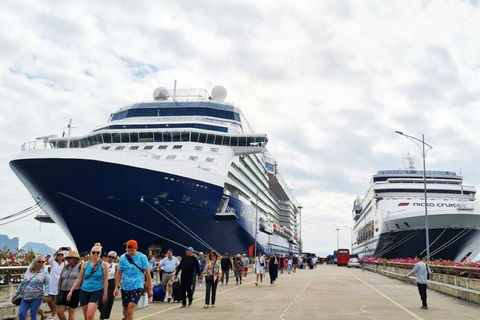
327 292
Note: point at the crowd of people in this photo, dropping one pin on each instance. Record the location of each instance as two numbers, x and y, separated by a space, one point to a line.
93 281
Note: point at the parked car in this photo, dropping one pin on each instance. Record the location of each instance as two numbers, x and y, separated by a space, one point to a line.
353 262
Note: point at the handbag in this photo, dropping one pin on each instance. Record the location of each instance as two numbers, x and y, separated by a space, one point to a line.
17 301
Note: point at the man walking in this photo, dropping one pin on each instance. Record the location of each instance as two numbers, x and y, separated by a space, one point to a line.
422 271
188 266
203 262
226 264
168 265
132 271
245 266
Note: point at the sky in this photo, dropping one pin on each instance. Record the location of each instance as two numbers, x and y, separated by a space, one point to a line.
328 81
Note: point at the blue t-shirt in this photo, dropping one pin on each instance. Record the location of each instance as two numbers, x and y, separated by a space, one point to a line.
132 277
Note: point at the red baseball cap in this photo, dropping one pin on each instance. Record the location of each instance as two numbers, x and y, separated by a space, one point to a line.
132 244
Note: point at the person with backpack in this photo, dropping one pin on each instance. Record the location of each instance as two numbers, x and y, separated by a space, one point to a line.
134 274
68 276
93 279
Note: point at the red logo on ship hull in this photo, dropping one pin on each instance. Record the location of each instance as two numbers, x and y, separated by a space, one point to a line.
403 204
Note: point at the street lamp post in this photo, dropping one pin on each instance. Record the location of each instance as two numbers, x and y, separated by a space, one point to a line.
422 148
256 225
301 240
337 240
351 238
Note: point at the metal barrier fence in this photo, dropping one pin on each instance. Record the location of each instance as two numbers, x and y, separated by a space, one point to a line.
11 275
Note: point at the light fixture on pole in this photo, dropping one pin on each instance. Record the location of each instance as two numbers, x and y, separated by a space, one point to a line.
301 240
422 148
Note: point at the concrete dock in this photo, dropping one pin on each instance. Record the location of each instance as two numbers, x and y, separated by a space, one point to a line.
327 292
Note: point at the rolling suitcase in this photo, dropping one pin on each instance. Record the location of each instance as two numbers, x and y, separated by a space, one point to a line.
158 293
176 291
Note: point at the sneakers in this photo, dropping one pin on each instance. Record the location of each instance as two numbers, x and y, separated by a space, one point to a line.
424 307
256 284
183 306
169 299
190 304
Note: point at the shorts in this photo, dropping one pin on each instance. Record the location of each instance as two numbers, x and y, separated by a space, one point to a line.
131 296
167 279
74 299
245 269
260 270
87 297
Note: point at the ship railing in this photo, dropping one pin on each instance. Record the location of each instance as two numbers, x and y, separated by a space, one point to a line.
37 144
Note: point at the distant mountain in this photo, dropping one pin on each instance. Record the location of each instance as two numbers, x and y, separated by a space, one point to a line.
38 248
11 244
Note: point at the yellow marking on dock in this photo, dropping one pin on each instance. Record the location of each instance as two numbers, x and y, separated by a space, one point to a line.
414 315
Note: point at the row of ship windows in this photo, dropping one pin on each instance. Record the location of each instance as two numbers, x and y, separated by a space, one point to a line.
162 147
165 193
421 191
169 157
148 137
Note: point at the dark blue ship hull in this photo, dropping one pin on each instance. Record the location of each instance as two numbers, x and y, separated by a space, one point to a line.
95 201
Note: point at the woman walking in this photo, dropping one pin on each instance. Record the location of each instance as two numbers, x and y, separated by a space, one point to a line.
56 266
68 276
238 268
212 274
33 289
151 262
94 279
106 308
273 268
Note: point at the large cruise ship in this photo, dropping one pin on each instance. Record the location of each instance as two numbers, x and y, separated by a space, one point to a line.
389 221
182 170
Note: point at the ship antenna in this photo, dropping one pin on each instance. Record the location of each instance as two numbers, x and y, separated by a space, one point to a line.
69 131
411 162
174 90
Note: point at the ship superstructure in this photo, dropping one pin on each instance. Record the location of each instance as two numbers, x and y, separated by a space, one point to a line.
389 221
182 170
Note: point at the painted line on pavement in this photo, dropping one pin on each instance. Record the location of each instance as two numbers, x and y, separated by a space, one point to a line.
300 293
414 315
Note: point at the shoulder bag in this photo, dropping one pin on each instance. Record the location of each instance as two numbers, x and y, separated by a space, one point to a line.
130 259
18 299
94 269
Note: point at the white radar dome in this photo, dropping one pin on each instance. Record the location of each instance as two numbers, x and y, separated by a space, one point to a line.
219 93
160 94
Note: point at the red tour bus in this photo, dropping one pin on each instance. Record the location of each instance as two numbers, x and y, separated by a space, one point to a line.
343 256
